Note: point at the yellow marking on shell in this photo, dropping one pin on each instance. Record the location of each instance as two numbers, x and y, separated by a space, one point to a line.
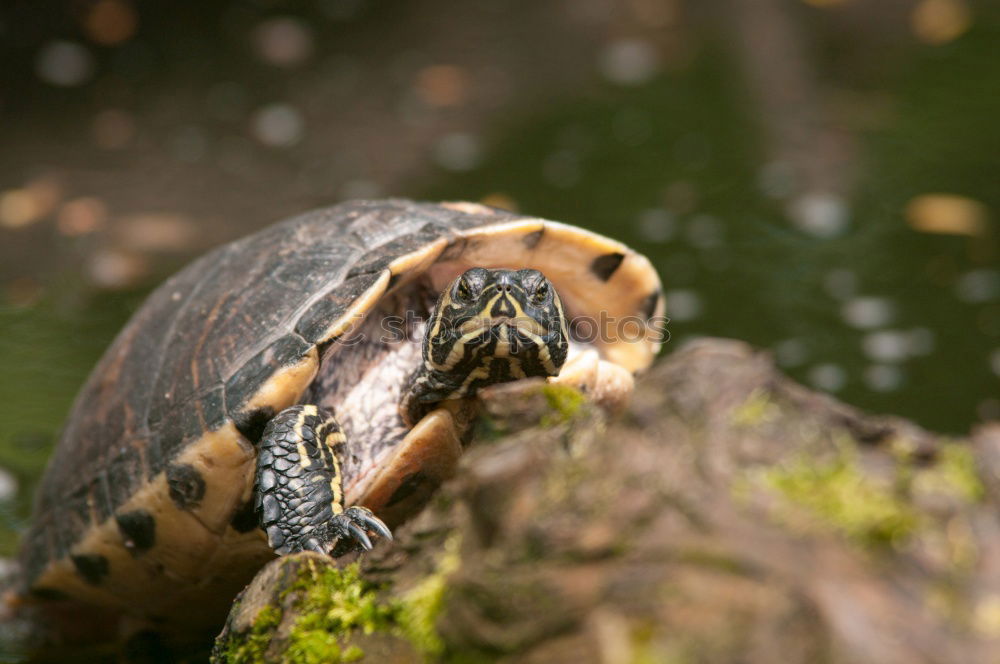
355 314
136 582
468 207
223 458
185 541
416 262
564 253
286 386
190 607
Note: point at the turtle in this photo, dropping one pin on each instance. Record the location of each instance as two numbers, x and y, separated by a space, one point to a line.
306 388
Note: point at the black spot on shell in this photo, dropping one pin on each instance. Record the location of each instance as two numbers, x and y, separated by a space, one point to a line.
409 486
91 566
605 266
532 239
648 306
138 529
245 519
186 485
251 423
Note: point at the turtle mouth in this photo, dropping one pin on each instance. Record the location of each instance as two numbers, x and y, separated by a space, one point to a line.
522 324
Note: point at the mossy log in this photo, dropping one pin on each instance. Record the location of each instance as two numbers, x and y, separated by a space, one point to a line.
729 515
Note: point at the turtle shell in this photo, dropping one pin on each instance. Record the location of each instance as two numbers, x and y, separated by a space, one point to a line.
144 502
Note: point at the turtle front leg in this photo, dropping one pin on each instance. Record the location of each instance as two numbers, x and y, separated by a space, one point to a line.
298 492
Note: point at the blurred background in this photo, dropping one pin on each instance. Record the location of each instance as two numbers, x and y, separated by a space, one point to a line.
817 177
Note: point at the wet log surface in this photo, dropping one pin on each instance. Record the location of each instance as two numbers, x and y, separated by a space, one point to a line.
729 515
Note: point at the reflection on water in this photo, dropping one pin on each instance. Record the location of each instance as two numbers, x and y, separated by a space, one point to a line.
891 300
46 351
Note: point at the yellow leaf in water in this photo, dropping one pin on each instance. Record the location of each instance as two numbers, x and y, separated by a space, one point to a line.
947 214
21 207
940 21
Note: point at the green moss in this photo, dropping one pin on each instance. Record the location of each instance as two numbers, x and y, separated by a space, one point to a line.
330 603
712 560
333 603
339 600
841 496
566 403
756 410
418 613
316 646
252 648
488 429
419 609
954 472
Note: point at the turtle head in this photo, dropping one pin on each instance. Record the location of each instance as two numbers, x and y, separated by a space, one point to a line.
490 326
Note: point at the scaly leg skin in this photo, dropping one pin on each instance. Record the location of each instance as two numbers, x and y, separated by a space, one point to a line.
298 494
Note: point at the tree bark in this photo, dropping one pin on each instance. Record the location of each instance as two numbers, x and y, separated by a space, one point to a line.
729 515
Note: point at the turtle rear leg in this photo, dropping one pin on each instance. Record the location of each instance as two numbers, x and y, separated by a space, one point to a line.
298 493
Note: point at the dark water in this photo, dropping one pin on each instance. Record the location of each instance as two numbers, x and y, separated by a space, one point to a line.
889 318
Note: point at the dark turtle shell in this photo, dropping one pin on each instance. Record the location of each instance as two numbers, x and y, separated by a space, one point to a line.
144 502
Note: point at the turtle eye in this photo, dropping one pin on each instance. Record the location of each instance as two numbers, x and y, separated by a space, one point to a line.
462 290
540 292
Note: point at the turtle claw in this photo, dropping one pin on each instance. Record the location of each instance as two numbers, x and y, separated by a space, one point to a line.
354 524
360 536
372 523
